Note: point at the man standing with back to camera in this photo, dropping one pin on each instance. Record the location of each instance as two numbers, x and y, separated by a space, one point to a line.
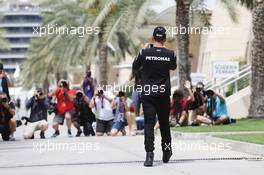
155 62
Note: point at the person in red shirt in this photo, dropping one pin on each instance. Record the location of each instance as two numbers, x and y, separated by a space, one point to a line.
65 107
180 105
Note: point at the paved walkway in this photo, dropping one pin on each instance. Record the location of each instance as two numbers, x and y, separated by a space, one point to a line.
119 155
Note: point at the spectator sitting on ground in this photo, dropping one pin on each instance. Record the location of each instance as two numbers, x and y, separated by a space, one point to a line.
120 108
217 108
180 105
197 108
38 105
102 104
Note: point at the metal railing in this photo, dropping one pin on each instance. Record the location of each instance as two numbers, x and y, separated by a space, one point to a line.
236 80
212 82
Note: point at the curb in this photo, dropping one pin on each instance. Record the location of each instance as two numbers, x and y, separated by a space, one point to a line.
202 135
245 147
250 148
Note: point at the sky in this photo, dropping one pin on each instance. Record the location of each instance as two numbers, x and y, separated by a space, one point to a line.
164 4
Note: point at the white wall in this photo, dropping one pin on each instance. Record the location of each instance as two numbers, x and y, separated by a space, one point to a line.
224 45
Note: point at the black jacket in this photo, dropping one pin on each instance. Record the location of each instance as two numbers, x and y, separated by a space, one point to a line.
83 111
5 115
154 65
38 109
5 88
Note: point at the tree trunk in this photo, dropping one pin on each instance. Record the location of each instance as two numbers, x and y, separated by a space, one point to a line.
102 61
182 38
65 75
87 67
57 76
257 81
46 84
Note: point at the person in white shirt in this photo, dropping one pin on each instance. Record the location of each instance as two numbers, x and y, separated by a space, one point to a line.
103 106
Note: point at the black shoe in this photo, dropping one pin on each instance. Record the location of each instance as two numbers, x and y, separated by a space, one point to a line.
18 123
123 131
149 159
32 137
166 156
42 135
69 133
92 132
79 132
56 133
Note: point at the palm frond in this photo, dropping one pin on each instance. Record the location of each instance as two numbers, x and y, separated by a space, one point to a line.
231 8
248 3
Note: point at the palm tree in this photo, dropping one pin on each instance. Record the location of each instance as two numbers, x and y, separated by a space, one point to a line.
257 81
257 78
42 62
184 9
116 19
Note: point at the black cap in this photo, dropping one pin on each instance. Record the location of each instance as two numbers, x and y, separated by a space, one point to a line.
121 94
159 32
209 92
39 90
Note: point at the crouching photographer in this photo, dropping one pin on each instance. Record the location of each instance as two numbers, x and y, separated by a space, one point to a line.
65 96
7 111
83 115
217 108
102 102
37 121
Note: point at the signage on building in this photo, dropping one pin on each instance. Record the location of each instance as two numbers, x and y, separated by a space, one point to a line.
223 69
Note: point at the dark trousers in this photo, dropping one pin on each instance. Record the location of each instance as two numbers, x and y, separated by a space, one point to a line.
159 106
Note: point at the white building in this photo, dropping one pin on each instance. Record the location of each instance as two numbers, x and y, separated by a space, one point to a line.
230 43
18 19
